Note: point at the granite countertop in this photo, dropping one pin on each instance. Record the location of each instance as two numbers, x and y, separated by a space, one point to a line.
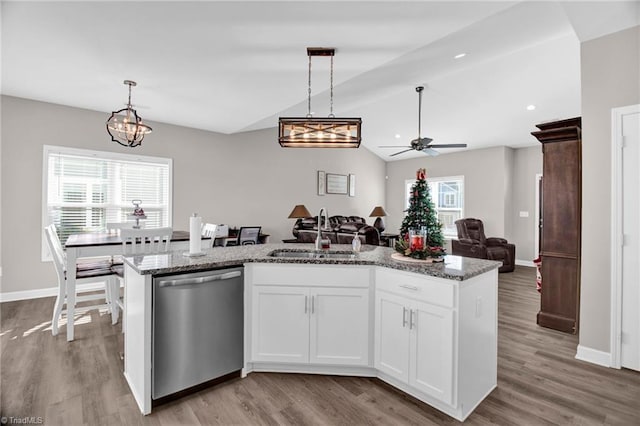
175 262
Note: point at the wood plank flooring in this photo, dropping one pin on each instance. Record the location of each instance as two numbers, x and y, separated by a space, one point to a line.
81 383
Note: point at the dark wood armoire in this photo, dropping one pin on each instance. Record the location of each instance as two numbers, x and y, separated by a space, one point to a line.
561 223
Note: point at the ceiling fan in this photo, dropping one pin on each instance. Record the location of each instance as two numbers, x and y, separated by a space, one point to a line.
423 145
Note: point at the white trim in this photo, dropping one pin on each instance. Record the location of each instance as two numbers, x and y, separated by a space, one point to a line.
11 296
525 263
616 230
593 356
536 230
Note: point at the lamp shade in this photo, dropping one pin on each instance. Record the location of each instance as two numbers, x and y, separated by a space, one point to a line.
299 211
378 211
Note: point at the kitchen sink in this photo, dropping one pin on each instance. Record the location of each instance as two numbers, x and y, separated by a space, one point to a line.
312 254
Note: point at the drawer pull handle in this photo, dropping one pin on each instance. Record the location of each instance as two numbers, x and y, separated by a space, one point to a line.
404 317
306 298
411 323
409 287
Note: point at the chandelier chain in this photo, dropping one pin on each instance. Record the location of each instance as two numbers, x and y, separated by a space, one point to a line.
309 91
331 95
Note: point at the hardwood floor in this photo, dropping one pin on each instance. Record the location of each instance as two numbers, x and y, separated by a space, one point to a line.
539 381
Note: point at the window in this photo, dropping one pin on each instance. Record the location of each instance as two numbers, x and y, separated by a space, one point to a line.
83 190
447 194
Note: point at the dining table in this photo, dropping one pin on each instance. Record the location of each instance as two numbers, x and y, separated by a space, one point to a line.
96 244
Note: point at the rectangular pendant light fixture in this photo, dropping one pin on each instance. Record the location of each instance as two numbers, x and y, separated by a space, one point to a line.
326 132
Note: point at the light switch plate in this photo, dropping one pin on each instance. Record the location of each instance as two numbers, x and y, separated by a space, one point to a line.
524 214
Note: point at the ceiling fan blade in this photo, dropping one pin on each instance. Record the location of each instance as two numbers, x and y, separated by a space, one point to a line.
448 145
401 152
393 146
425 141
430 152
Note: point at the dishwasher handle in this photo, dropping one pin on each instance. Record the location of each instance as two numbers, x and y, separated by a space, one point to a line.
199 280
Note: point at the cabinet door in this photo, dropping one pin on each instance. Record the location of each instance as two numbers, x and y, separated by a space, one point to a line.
431 368
280 324
339 325
392 335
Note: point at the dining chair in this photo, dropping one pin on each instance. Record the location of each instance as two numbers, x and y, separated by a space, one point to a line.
209 230
139 242
247 235
94 271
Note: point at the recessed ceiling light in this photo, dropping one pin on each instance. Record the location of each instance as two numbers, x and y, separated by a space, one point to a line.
397 136
460 55
531 107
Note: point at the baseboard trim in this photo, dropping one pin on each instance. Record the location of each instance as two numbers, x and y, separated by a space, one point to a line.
593 356
12 296
525 263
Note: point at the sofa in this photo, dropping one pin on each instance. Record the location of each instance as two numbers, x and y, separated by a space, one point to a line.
341 230
472 242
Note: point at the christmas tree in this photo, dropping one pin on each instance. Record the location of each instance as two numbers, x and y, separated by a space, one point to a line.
422 213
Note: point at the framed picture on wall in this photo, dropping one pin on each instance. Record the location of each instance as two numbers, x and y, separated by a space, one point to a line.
321 182
352 185
337 184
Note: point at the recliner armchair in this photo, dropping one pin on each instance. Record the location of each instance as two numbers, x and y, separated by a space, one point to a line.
472 242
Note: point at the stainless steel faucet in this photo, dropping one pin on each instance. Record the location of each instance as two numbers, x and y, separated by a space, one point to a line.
326 226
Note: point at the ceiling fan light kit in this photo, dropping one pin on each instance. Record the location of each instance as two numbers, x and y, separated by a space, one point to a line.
326 132
421 144
125 126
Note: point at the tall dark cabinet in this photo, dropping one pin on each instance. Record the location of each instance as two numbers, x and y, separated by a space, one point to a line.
561 223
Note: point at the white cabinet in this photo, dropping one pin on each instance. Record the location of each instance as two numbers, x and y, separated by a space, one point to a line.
319 324
414 344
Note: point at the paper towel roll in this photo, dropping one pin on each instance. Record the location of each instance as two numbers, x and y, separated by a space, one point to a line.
195 228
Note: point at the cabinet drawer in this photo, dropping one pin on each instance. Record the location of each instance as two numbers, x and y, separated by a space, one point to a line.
417 287
311 275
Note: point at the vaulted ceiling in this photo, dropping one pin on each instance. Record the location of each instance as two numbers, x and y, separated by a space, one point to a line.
236 66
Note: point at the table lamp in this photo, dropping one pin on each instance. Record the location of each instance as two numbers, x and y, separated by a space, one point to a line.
299 212
378 212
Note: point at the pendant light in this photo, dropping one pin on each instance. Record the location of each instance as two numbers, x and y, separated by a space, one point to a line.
125 126
326 132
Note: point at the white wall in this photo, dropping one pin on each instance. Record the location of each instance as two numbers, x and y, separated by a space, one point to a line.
244 179
610 79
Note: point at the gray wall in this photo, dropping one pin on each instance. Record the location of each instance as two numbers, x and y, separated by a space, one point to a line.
244 179
499 183
610 78
484 184
527 162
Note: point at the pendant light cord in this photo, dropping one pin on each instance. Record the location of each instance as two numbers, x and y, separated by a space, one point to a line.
331 102
309 91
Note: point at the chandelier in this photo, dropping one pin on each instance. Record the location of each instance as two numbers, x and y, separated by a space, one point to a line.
326 132
125 126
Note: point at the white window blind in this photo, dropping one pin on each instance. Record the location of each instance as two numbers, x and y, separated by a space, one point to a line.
83 190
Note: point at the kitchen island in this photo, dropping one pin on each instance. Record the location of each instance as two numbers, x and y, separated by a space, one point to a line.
427 329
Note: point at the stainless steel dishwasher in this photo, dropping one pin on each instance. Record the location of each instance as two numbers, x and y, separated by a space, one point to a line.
197 329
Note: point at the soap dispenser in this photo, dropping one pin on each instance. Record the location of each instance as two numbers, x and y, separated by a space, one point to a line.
356 243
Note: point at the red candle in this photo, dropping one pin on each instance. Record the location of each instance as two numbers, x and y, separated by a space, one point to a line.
417 242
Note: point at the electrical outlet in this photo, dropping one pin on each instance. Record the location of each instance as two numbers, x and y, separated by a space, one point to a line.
524 214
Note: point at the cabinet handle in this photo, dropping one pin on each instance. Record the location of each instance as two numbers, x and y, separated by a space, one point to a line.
408 287
411 323
404 317
305 303
313 303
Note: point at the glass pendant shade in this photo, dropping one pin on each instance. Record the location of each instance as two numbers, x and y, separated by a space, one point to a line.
303 132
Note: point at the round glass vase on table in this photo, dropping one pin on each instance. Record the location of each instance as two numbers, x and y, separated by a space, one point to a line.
417 238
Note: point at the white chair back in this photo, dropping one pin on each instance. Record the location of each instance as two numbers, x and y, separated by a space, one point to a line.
209 230
57 253
116 226
145 241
